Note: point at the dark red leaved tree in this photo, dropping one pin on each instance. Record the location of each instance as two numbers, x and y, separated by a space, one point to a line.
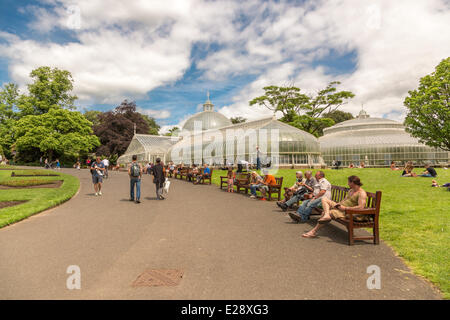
115 129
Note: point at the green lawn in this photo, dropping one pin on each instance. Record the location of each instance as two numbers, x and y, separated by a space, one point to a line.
414 217
39 199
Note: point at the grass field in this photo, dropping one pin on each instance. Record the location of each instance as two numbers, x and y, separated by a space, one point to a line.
38 199
414 217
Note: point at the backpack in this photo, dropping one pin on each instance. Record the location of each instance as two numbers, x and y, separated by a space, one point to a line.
135 170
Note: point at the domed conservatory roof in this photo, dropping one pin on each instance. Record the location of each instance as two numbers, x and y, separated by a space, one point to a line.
209 118
366 131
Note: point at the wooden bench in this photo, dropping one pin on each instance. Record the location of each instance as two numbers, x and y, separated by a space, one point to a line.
245 185
276 188
223 181
372 210
242 181
180 174
206 177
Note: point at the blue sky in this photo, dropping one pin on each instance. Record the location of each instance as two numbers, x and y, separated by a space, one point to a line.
166 55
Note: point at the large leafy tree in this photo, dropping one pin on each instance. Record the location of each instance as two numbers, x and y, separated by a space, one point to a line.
51 89
8 115
302 110
173 131
337 116
428 117
56 132
116 128
92 116
152 125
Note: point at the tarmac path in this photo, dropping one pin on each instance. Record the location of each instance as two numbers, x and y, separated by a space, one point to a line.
227 245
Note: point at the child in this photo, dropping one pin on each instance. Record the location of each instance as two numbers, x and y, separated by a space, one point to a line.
434 183
230 177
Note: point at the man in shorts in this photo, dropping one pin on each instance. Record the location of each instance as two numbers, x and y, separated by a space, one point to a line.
97 171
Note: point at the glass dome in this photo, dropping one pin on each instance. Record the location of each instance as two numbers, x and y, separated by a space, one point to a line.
209 119
376 142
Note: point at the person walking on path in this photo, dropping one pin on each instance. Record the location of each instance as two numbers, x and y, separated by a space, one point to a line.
258 158
135 173
158 178
106 164
97 169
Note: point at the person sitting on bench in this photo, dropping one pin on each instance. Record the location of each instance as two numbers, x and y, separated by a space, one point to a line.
193 173
304 211
291 191
305 189
206 174
356 199
269 180
255 182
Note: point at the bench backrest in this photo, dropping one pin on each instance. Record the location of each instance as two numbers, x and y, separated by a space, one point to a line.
243 177
279 182
338 194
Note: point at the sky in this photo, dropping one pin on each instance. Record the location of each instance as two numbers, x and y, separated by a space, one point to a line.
166 55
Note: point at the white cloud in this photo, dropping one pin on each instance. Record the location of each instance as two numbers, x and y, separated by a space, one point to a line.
126 49
157 114
396 43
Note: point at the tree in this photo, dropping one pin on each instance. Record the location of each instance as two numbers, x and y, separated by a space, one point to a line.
116 128
92 116
237 120
50 89
8 115
58 131
337 116
428 117
172 131
153 126
304 111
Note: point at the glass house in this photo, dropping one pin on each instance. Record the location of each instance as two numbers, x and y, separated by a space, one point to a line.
280 144
210 137
147 148
376 142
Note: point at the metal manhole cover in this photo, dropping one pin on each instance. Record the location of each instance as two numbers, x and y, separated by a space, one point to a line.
158 277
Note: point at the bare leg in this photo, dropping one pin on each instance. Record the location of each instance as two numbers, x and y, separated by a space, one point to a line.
326 205
312 233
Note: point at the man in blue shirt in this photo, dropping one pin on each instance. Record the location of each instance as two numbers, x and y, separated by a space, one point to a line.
97 171
206 174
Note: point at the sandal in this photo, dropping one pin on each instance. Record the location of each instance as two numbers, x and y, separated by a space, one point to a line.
309 235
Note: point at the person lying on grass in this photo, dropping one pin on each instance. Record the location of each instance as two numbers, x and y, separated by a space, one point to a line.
355 199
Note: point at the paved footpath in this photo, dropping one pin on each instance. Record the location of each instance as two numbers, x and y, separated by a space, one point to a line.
228 246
